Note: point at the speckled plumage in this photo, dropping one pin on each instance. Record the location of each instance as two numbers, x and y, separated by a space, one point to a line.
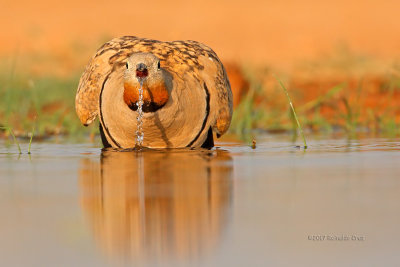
192 66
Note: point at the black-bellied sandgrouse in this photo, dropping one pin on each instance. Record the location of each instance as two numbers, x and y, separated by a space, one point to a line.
186 93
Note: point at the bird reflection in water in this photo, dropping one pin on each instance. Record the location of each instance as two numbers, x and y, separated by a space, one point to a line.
157 205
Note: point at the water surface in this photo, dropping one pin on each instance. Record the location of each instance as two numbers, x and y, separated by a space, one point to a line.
337 203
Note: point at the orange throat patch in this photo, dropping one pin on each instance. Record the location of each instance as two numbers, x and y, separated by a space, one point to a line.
154 97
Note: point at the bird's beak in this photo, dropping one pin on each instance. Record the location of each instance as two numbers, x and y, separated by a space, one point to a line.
141 70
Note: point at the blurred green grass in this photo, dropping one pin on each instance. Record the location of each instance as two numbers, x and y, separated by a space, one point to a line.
327 97
348 103
43 103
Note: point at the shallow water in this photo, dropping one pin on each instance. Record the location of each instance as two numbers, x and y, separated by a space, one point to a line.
337 203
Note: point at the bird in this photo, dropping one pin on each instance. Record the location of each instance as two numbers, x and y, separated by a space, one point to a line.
186 94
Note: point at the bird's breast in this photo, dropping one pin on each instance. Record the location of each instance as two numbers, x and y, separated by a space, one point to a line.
183 121
155 94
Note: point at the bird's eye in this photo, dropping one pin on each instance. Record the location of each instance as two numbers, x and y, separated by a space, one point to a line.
158 66
127 65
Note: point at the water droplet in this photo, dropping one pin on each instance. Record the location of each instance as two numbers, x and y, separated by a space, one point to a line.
139 118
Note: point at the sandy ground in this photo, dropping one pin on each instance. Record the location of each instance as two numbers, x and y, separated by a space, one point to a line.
278 33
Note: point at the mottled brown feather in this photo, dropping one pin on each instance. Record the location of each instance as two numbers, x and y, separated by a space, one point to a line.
180 58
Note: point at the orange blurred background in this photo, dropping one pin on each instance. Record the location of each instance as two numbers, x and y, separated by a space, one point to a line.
312 45
277 33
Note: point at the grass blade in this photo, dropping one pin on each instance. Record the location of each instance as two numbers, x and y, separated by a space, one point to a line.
13 136
30 140
293 111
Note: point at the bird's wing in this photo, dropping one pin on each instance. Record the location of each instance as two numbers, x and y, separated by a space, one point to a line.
220 86
205 65
179 57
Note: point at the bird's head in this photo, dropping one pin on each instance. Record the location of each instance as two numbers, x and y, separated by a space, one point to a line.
145 69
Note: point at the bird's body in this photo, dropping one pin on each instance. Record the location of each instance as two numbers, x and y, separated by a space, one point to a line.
186 93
